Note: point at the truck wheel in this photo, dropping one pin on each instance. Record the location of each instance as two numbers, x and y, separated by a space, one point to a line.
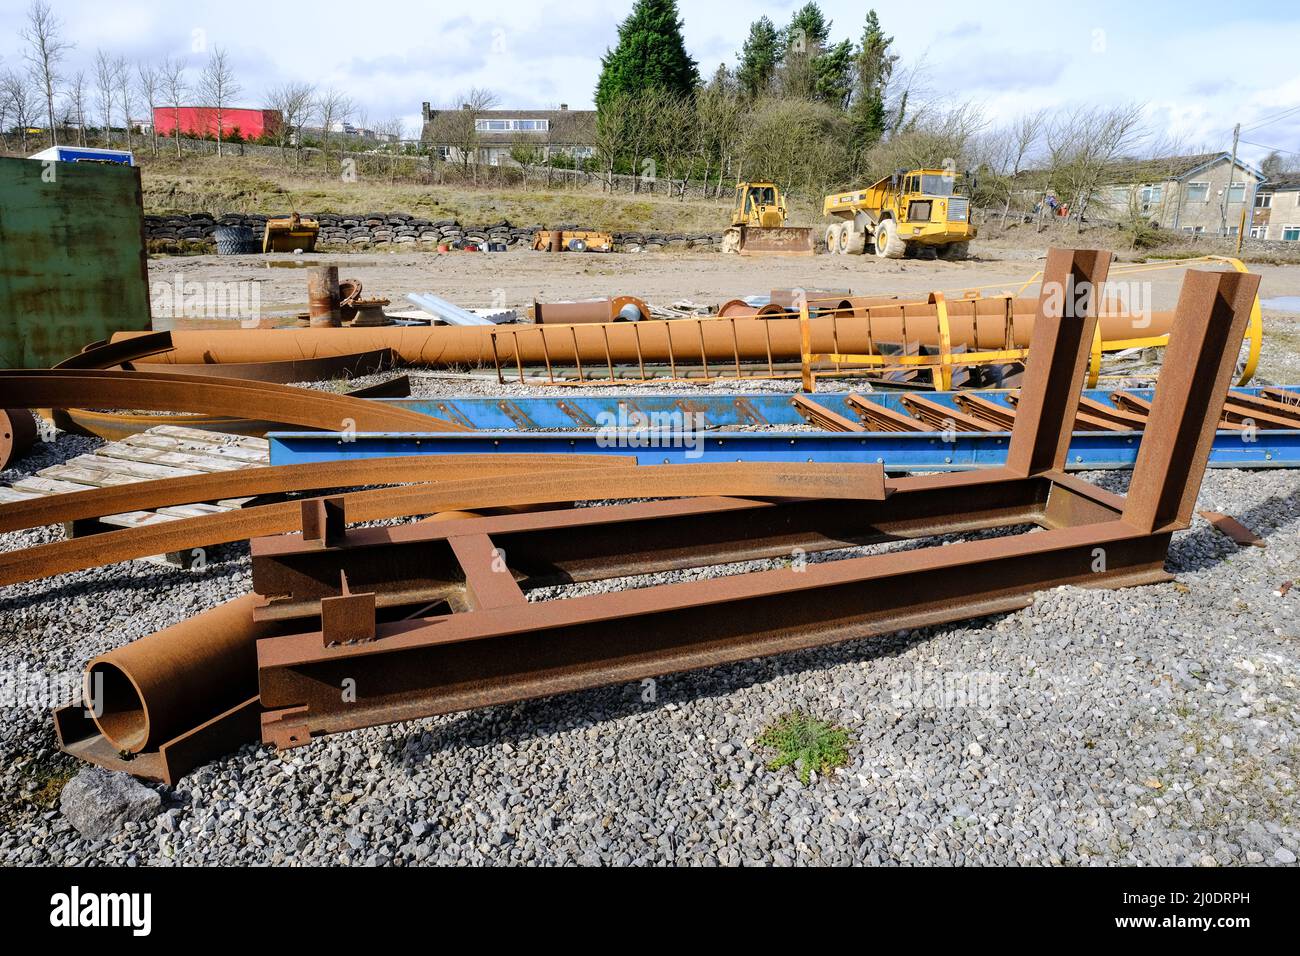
954 250
888 243
853 242
833 239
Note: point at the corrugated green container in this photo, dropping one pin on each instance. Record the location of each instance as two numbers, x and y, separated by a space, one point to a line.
73 267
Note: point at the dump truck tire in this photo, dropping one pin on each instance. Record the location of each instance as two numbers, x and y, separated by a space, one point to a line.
888 243
833 240
954 251
853 242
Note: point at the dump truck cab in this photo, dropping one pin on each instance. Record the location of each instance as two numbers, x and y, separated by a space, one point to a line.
902 214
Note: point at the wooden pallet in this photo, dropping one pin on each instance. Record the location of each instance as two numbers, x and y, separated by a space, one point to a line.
167 451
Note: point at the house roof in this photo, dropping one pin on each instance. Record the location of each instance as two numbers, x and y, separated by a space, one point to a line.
1163 168
1281 182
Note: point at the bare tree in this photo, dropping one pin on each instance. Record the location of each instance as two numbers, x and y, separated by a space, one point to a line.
21 96
331 107
105 86
613 126
76 97
218 87
1082 144
125 94
459 129
171 74
45 49
294 103
150 83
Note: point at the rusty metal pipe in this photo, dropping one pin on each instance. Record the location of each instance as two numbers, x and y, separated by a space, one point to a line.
157 688
323 297
17 434
980 324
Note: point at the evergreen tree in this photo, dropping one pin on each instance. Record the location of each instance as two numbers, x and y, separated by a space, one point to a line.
651 54
875 65
808 30
832 75
758 58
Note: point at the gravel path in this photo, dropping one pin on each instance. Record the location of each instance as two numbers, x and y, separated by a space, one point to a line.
1152 725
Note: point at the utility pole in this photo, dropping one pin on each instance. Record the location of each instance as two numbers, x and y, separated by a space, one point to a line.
1232 169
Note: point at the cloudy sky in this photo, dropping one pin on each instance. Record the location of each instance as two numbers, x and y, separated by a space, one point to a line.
1199 66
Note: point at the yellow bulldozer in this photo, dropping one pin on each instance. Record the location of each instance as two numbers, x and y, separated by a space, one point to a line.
902 215
758 225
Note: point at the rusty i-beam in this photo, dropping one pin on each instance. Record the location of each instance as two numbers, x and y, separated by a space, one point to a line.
435 618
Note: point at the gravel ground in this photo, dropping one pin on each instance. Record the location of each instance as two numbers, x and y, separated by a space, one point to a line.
1153 725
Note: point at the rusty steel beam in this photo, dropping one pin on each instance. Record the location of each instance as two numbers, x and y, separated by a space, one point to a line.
1059 350
1213 308
758 479
103 355
881 418
161 493
156 391
322 369
823 417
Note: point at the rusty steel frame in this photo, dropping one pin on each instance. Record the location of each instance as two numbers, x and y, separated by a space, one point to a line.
559 486
155 391
499 647
506 649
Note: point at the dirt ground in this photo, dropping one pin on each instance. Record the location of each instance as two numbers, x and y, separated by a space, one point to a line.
517 278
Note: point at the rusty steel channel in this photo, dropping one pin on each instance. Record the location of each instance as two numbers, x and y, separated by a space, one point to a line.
154 391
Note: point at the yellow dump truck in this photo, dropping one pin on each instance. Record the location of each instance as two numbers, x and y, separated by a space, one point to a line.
758 225
901 215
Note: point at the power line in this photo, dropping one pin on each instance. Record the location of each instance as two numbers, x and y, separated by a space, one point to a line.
1276 149
1268 120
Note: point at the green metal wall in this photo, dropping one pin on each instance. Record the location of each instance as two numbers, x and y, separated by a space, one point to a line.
72 258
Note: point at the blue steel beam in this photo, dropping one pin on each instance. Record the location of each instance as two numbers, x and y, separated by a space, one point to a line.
577 410
508 425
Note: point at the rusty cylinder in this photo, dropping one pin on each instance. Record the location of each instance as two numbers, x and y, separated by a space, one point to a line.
323 297
161 686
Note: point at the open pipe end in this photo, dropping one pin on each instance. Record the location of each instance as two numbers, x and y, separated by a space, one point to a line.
118 706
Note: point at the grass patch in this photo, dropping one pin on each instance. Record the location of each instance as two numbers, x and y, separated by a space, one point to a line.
807 744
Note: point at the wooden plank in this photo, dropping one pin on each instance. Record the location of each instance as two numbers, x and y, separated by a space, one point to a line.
8 495
192 511
47 486
90 477
136 469
205 448
222 438
174 458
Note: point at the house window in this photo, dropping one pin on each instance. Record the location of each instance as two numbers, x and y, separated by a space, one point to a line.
1198 192
1263 200
1258 232
1291 233
1119 194
1151 194
1237 192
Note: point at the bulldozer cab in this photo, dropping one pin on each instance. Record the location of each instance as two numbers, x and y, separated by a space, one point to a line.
758 204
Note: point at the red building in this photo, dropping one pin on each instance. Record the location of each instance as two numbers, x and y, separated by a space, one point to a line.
202 120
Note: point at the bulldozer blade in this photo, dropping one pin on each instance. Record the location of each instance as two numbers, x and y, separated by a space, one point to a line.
777 241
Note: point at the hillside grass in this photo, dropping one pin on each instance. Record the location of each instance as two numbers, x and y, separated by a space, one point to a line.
248 185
